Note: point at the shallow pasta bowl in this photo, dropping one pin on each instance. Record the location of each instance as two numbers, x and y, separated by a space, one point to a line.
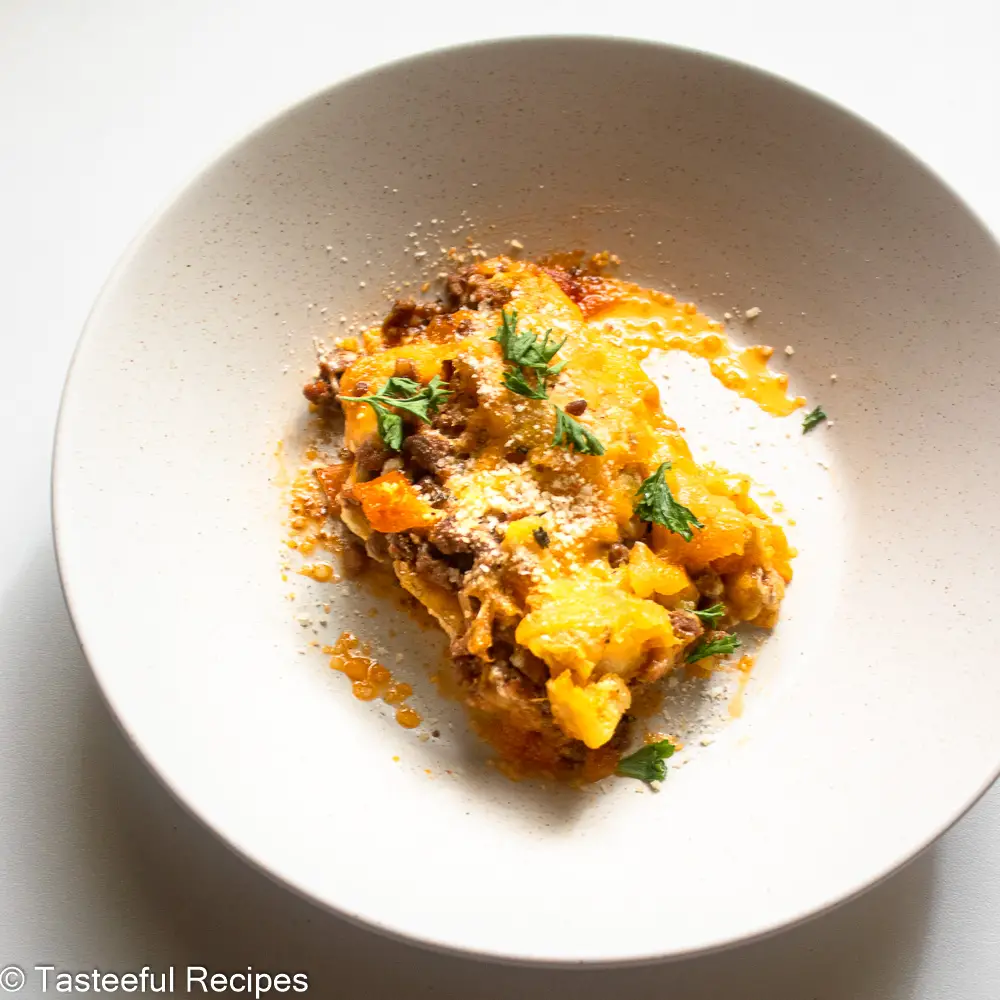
871 722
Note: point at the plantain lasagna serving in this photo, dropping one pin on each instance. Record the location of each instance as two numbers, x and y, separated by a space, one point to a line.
505 452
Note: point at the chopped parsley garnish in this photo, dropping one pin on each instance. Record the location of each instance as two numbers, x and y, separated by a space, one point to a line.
657 505
404 394
812 418
541 537
526 354
572 434
524 349
722 646
713 614
514 380
647 763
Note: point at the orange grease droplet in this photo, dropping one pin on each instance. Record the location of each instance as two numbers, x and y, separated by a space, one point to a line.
370 678
407 717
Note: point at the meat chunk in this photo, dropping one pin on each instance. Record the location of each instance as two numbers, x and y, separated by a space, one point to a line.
403 546
428 450
405 315
335 362
466 547
436 570
754 595
686 625
370 457
617 555
434 493
451 419
469 288
467 669
426 559
449 537
318 391
504 690
709 584
332 364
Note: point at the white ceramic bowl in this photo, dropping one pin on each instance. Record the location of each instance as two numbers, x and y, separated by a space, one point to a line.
873 722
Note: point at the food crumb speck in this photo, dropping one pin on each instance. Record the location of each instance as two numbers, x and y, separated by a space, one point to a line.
789 350
753 312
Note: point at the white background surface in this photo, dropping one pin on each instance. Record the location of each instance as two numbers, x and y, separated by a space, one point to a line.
107 107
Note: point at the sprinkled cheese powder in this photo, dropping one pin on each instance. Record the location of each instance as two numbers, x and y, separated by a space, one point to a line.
530 557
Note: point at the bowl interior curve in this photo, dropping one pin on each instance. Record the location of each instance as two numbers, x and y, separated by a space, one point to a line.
874 722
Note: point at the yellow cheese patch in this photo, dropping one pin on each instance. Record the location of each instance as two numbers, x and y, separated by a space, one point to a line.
595 628
591 712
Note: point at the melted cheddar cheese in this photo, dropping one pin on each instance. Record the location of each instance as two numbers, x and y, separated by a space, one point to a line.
543 576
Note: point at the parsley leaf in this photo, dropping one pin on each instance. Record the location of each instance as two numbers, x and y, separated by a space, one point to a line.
402 394
812 418
390 426
399 385
524 352
657 505
540 353
524 349
515 381
722 646
507 336
421 401
713 614
572 434
647 763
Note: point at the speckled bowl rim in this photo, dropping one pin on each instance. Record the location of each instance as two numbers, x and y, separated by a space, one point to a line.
213 160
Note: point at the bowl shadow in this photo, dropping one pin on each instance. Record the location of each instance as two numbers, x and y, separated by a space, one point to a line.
222 914
126 847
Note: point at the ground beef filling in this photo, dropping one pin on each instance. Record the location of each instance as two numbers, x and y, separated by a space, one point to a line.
502 680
